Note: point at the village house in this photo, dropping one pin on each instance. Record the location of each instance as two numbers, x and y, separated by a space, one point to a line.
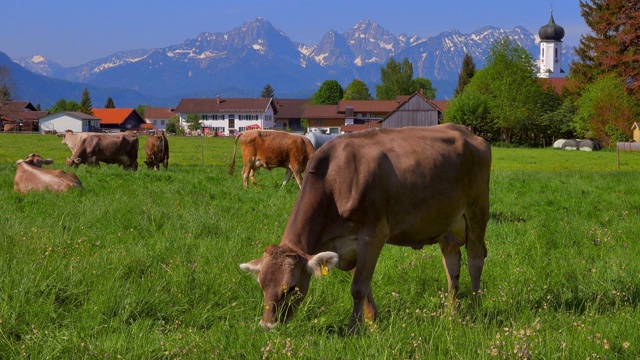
20 116
289 115
119 119
159 116
228 116
69 120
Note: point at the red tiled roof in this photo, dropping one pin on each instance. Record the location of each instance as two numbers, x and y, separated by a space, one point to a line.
109 116
159 112
223 105
556 83
321 112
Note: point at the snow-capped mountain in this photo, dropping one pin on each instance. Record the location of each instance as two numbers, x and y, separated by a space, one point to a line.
241 61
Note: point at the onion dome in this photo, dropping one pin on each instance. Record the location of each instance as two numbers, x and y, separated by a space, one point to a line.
551 31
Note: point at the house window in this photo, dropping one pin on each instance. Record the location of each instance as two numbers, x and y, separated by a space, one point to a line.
161 122
247 117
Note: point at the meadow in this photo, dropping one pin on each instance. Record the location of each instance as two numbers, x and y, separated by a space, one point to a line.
144 265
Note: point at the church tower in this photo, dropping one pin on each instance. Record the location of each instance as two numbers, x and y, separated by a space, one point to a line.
551 50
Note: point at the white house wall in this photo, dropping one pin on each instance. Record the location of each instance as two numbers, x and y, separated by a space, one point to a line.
60 123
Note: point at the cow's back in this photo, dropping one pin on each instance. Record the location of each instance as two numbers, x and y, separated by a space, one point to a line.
409 175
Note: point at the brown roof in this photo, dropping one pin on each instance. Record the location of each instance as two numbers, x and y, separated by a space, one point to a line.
111 116
290 108
441 104
358 127
16 106
368 106
321 112
556 83
159 112
223 105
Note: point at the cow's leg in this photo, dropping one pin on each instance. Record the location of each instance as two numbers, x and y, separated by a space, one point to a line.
246 172
476 248
297 173
287 177
370 243
451 261
370 308
450 248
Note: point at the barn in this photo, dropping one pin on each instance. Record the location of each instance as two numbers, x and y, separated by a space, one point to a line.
416 110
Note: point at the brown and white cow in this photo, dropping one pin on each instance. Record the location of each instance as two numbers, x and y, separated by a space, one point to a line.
30 176
271 149
94 148
157 149
413 186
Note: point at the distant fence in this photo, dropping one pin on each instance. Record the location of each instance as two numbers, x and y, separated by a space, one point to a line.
626 146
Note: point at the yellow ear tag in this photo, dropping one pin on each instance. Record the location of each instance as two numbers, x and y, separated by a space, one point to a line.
324 269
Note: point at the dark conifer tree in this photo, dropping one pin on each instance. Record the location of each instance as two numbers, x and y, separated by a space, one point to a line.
466 73
85 104
110 104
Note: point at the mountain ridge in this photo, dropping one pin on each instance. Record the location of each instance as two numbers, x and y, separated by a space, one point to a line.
239 62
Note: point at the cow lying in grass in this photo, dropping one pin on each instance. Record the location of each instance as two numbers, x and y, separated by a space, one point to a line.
30 176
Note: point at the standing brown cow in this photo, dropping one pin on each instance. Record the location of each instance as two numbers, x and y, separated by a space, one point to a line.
157 150
31 176
121 149
271 149
413 186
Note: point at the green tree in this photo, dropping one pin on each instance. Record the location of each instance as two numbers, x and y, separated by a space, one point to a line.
601 118
85 103
172 125
471 108
141 110
330 93
64 105
396 79
7 86
5 95
613 45
357 90
193 122
109 104
267 92
515 99
423 85
466 73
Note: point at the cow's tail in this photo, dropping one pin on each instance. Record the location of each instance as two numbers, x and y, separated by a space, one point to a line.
233 160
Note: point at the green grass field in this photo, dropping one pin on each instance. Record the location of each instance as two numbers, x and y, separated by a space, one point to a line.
144 265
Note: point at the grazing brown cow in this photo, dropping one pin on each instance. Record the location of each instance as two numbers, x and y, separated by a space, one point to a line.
271 149
157 150
93 148
72 139
31 176
413 186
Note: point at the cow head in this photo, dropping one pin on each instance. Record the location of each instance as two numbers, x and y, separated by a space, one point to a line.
35 160
284 277
73 162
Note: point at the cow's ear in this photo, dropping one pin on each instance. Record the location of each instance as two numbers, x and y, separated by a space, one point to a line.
253 267
19 162
320 264
47 162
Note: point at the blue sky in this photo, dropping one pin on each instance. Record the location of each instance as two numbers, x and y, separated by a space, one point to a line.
73 32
